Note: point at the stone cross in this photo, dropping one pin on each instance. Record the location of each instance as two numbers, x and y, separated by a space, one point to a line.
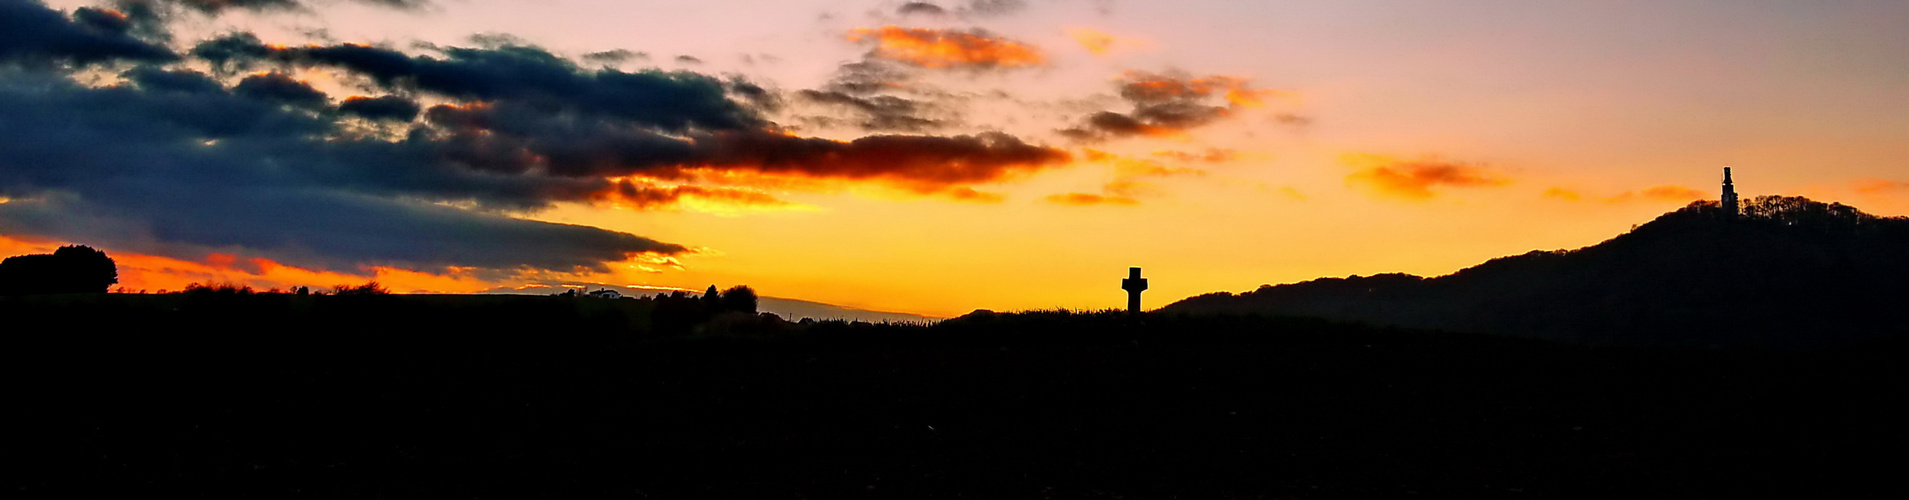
1134 284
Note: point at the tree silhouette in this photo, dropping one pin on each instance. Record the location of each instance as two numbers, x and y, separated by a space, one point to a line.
739 298
712 300
70 269
1800 211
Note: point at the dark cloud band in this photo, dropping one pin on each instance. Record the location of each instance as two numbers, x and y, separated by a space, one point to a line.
388 108
219 6
31 33
172 161
668 100
223 169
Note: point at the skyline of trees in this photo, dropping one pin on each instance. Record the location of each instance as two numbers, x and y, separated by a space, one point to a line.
70 269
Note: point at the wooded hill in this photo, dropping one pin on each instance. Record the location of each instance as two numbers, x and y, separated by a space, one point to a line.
1788 272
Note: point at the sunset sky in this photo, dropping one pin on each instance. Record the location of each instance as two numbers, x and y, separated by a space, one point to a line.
921 157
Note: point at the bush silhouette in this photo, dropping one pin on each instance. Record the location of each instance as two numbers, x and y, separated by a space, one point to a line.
740 299
218 289
369 288
70 269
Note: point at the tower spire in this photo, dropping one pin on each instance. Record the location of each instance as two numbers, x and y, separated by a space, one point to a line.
1729 196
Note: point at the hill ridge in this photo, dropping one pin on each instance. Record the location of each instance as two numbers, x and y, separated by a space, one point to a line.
1786 272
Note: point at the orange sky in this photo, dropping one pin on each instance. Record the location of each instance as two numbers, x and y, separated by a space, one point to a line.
1218 145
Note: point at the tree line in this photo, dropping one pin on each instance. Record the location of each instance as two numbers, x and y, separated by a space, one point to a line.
70 269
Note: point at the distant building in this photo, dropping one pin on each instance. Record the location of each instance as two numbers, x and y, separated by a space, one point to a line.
606 294
1730 210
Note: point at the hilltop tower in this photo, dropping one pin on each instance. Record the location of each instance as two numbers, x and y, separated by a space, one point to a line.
1729 196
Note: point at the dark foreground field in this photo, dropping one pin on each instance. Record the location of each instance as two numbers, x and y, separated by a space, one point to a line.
395 397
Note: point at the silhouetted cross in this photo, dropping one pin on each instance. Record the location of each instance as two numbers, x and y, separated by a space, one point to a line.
1134 284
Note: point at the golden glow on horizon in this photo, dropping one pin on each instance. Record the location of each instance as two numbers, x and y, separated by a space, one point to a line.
139 272
23 245
871 255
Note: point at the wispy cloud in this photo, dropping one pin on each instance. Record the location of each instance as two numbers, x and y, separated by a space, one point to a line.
880 112
1126 166
1562 194
940 48
1881 186
1085 199
1100 42
1211 155
644 194
1169 104
1664 193
920 9
991 8
1416 180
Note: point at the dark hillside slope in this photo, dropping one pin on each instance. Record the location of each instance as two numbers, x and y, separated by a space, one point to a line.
1788 273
